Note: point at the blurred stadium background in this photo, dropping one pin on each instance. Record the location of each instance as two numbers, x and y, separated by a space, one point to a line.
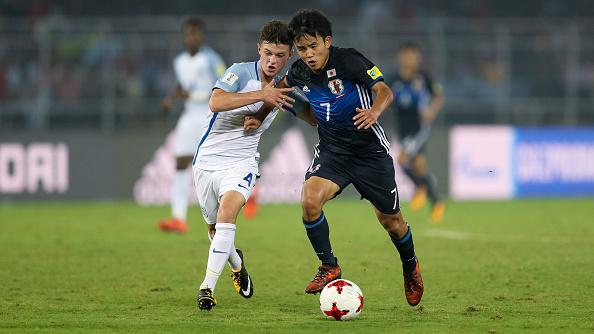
87 78
83 141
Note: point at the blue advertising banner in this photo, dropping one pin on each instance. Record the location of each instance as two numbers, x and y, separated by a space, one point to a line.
553 162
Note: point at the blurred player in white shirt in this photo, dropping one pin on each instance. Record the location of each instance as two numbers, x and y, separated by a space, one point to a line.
226 162
196 69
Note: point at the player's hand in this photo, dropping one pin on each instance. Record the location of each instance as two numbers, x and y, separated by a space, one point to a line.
184 94
277 97
167 103
251 122
365 118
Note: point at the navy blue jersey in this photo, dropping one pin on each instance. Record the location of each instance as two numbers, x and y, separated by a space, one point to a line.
334 93
411 98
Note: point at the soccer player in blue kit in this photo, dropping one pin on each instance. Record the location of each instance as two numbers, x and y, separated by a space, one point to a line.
340 85
418 100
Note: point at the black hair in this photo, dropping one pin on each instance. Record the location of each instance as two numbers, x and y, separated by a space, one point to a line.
194 22
409 45
310 22
276 32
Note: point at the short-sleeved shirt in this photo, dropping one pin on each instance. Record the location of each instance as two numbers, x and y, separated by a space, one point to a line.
225 142
334 93
411 98
196 74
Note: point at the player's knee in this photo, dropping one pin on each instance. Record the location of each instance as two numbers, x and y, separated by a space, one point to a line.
226 215
419 165
393 223
312 206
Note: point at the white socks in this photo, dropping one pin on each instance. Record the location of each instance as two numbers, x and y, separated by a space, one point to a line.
179 194
218 254
234 259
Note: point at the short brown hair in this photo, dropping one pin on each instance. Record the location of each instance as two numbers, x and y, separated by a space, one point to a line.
276 32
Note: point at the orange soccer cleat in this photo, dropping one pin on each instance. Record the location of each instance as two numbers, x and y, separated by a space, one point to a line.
413 286
326 274
437 212
173 225
419 199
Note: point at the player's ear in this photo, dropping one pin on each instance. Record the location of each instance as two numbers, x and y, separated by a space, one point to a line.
327 41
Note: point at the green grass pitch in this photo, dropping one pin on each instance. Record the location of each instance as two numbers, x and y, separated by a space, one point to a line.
490 267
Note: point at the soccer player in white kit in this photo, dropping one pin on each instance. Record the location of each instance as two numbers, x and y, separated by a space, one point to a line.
226 161
197 69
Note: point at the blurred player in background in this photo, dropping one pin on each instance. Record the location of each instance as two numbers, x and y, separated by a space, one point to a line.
226 162
418 100
197 69
353 148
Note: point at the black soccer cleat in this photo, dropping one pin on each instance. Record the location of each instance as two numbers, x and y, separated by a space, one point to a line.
206 301
242 280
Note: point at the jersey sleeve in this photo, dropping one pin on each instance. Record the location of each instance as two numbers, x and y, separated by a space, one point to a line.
234 78
362 70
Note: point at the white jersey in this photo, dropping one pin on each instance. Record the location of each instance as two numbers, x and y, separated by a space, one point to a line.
225 142
197 75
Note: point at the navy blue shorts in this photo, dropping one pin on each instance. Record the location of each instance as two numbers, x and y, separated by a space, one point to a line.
372 176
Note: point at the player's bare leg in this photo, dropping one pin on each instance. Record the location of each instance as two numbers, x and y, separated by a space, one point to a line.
401 236
419 166
316 192
179 198
221 247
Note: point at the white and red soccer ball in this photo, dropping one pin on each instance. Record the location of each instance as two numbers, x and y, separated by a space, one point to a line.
341 300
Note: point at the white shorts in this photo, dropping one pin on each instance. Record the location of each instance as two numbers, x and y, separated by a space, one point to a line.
211 185
188 132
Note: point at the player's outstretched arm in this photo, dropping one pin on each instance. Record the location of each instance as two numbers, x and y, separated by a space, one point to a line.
365 118
221 100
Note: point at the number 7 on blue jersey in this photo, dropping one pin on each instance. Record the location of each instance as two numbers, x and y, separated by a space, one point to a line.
327 105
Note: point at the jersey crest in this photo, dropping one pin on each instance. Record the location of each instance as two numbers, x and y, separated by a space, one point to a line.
336 86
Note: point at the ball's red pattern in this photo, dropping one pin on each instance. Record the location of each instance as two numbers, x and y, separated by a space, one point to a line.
339 284
360 306
335 312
